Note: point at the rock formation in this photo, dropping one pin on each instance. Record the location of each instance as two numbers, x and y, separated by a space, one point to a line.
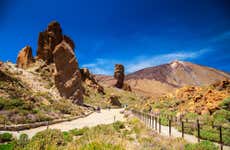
114 100
119 75
1 63
89 80
68 75
222 85
69 41
126 87
49 39
25 57
201 100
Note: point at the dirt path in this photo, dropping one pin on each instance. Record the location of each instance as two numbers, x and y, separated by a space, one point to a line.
104 117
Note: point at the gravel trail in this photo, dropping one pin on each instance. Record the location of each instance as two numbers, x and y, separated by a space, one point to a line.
104 117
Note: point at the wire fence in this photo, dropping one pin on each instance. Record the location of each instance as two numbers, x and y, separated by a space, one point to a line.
154 121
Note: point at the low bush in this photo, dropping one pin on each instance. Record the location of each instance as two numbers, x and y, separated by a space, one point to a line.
204 145
118 125
101 146
47 139
6 137
23 140
225 104
68 137
10 103
8 146
78 132
221 116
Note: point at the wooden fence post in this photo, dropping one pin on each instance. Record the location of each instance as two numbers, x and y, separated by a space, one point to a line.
221 140
152 122
170 123
182 128
142 117
156 123
198 130
149 121
159 125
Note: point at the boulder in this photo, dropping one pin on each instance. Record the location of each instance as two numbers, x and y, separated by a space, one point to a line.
68 75
49 39
222 85
119 75
25 57
114 100
126 87
90 80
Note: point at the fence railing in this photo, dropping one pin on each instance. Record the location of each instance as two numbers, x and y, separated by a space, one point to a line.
154 121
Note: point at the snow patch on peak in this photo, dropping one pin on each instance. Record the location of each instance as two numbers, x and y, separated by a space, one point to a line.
175 63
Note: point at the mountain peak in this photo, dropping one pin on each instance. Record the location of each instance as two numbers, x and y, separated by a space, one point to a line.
176 63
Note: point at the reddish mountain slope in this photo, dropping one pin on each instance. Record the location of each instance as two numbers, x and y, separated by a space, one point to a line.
167 77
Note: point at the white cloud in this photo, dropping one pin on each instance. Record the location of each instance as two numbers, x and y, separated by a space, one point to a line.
101 66
161 59
106 66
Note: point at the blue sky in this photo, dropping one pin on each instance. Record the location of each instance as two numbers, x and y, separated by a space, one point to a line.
136 33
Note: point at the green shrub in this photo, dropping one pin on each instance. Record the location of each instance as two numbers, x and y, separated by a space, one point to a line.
118 125
47 139
8 146
209 134
68 137
204 145
221 116
78 132
191 116
6 137
10 103
225 104
101 146
23 140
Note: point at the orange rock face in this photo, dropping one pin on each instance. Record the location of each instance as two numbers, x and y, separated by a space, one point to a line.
49 39
69 41
202 100
68 75
25 57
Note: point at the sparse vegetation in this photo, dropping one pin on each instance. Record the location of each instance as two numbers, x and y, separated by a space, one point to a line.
5 137
204 145
97 99
117 136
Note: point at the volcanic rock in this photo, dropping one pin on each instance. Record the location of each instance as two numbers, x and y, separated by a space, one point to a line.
119 75
89 80
114 100
126 87
69 41
49 39
25 57
222 85
68 75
